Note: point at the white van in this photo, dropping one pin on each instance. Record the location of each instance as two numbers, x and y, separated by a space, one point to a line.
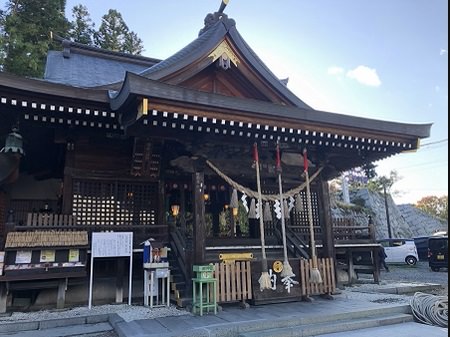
400 251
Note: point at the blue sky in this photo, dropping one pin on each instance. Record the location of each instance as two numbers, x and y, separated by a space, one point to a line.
384 59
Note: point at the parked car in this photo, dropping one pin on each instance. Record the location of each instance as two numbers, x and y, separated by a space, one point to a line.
400 251
422 247
438 252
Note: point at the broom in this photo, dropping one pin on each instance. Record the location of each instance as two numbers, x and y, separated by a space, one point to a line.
287 269
264 280
314 276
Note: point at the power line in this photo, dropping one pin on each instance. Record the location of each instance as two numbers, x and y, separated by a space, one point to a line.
429 164
436 142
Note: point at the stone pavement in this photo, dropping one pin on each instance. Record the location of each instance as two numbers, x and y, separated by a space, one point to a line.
356 313
396 330
346 311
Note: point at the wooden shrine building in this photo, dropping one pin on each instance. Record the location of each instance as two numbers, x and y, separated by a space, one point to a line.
113 142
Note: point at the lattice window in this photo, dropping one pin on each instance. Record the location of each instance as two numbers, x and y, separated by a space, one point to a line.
100 203
302 218
299 221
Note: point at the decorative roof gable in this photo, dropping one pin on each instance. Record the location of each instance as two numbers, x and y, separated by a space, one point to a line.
220 61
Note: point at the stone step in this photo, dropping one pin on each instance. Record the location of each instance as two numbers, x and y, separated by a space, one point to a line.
332 326
56 327
63 331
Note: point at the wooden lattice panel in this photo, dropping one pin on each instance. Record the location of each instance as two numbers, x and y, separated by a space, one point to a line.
100 203
299 221
326 269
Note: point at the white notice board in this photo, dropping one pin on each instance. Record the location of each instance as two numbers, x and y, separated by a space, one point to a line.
111 244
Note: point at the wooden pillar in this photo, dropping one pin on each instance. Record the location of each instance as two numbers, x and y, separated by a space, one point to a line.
3 297
61 296
216 207
351 268
198 183
120 272
325 219
68 183
5 221
181 221
161 205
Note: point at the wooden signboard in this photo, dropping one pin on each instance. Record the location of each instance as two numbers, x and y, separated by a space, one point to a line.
279 293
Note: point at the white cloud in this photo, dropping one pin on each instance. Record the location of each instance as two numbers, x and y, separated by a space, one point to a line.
443 52
365 75
334 70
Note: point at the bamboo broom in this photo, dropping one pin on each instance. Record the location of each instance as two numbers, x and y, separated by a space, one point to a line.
287 269
264 280
315 276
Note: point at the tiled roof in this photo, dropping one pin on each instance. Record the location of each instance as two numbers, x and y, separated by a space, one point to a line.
85 70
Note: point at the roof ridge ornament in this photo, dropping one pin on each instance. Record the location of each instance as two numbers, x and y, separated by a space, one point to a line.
222 6
225 55
213 18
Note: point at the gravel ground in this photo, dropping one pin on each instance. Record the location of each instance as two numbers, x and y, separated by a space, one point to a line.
420 273
128 313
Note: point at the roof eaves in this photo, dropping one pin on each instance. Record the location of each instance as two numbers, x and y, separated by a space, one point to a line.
49 88
137 85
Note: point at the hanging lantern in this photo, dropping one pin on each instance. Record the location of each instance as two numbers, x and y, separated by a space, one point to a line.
14 143
175 210
235 211
299 203
267 212
252 210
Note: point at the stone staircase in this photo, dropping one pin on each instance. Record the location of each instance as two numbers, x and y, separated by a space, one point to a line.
328 324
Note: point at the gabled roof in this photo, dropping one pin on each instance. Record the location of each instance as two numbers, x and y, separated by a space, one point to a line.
198 52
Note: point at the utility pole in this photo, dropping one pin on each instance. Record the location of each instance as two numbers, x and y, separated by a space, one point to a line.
387 211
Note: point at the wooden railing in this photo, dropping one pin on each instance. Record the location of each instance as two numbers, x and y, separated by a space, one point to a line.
178 245
67 222
295 244
234 281
326 269
50 220
347 230
303 233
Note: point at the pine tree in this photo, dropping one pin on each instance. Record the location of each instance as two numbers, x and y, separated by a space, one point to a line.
26 34
82 27
133 44
114 34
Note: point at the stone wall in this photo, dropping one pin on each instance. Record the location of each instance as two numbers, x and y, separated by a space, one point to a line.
421 223
406 220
